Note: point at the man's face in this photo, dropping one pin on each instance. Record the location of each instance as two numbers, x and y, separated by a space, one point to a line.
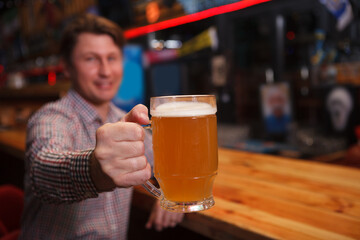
97 67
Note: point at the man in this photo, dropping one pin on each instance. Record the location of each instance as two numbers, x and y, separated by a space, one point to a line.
82 152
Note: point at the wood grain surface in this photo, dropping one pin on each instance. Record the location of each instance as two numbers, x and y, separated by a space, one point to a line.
261 196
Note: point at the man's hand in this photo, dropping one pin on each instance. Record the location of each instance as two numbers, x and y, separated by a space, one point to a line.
160 218
118 158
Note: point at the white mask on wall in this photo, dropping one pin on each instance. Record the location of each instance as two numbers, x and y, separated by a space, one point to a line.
340 104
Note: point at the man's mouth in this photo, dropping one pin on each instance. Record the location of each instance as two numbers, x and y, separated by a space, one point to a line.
104 85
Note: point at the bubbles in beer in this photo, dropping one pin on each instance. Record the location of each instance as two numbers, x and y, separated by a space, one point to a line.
183 109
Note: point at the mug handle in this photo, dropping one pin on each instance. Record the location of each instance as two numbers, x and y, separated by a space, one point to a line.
152 189
148 185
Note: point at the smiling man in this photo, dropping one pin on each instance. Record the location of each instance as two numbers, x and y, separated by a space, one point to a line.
83 154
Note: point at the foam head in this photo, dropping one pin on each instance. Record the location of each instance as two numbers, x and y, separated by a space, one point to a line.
183 109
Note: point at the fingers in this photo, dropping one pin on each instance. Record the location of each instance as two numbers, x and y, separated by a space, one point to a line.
178 217
167 221
151 220
129 131
126 166
130 149
171 219
120 149
139 114
133 178
120 152
162 219
159 219
121 131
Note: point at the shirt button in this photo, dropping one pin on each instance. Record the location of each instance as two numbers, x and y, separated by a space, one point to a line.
113 227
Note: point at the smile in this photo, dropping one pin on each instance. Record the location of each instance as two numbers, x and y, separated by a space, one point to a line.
103 85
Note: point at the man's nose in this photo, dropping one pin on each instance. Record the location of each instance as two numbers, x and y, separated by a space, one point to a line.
104 68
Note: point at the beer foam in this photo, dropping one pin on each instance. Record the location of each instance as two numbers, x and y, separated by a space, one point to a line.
183 109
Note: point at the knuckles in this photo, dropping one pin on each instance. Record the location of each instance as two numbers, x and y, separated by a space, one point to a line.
102 132
101 153
129 131
138 148
147 173
138 163
138 132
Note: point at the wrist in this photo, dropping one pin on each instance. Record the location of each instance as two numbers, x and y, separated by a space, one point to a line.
101 180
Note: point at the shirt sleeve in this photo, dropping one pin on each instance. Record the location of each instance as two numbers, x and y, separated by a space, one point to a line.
57 174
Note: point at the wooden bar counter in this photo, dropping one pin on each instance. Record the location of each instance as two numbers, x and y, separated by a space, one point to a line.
268 197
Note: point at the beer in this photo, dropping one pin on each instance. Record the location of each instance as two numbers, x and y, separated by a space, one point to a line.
185 150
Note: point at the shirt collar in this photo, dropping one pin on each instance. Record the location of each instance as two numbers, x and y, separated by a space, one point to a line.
88 112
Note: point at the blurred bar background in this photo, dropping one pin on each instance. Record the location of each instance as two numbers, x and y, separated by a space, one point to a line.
297 59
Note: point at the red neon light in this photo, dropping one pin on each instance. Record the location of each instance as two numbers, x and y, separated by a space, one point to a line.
136 32
52 78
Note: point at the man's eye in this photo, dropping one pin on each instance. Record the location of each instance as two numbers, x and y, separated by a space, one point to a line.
89 59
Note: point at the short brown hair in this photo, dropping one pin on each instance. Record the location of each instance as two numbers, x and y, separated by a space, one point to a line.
88 23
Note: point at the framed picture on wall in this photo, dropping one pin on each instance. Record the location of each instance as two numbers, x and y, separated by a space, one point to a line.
276 107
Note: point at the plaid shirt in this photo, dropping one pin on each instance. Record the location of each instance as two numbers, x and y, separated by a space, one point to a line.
61 201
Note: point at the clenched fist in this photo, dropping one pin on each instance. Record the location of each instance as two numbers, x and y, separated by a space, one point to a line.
119 158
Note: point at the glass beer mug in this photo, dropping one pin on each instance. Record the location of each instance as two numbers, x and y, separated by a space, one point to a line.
185 151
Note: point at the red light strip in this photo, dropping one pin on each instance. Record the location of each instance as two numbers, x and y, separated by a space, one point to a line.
136 32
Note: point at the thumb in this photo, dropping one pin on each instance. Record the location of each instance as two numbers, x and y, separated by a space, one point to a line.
139 114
